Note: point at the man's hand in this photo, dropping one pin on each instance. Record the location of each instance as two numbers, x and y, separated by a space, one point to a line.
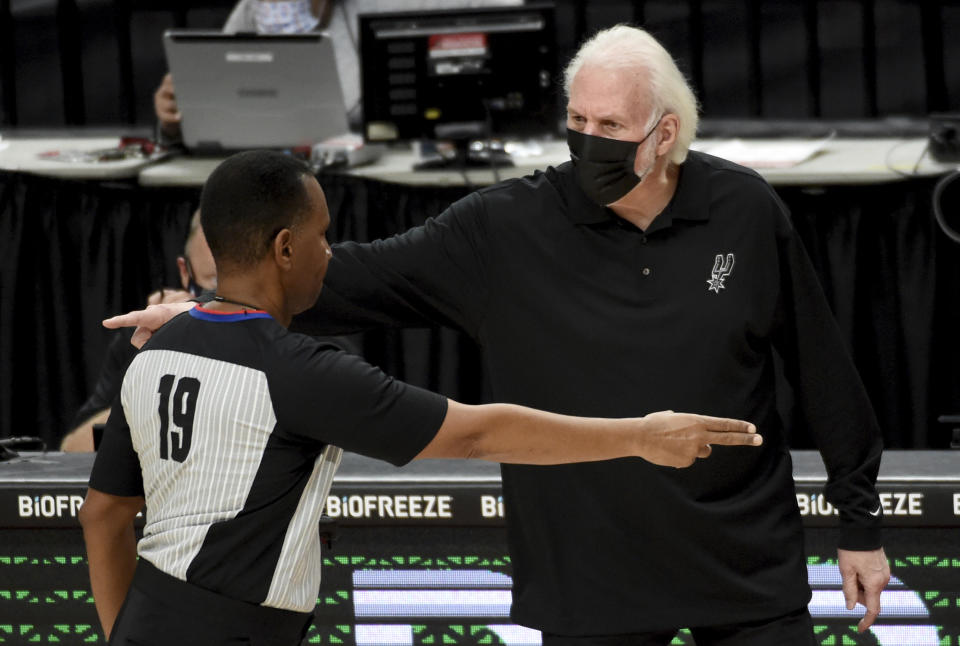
165 106
147 321
678 439
865 575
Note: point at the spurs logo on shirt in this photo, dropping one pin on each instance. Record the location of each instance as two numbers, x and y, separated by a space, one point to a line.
722 267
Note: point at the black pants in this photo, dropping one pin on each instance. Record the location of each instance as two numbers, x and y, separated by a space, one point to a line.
163 610
793 629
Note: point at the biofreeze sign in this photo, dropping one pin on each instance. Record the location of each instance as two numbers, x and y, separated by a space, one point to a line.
907 505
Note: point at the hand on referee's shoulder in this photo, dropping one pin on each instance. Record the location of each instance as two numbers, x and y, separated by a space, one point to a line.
147 321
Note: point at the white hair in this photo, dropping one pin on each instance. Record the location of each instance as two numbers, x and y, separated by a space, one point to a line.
632 48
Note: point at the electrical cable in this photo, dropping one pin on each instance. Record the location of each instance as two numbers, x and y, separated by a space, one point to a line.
916 165
938 213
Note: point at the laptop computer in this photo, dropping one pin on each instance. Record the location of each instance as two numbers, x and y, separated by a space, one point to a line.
244 91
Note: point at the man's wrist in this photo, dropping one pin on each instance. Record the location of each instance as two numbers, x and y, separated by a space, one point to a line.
641 436
168 135
859 538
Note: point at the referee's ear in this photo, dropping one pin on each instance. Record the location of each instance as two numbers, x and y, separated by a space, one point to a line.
283 249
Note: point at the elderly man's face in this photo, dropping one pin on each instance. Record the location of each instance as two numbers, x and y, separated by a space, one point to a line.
610 103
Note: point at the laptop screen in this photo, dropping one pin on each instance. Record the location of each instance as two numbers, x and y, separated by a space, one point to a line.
243 91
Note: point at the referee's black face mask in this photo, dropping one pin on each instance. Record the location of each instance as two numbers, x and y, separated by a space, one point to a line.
604 167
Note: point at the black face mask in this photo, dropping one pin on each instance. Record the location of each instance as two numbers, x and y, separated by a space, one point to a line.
192 286
604 167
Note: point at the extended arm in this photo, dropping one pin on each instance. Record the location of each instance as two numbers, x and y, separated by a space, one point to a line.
108 532
516 434
435 274
339 399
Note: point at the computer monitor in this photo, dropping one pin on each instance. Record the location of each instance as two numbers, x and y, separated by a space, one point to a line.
461 75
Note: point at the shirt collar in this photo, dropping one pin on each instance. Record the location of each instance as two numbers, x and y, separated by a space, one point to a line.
200 312
691 201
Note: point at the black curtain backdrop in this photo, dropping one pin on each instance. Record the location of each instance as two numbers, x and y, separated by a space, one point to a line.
891 277
791 59
72 253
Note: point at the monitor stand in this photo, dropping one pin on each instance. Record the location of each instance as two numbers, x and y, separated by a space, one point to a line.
467 153
473 147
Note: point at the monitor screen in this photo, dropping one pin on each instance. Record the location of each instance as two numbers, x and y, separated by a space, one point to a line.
459 74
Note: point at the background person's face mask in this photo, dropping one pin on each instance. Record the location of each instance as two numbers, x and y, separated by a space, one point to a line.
604 167
284 17
193 286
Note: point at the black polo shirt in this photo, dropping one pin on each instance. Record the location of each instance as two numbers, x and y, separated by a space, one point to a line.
580 312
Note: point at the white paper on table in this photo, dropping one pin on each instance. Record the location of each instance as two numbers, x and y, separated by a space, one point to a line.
768 153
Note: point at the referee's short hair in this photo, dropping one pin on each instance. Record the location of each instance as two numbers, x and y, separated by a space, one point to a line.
247 200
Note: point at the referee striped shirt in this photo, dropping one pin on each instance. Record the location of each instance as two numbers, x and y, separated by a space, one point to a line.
232 427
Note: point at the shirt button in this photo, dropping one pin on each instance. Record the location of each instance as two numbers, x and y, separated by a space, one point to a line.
643 239
646 271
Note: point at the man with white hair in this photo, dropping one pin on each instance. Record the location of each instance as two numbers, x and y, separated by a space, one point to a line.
641 276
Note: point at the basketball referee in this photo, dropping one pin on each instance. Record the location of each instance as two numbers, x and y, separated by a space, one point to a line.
230 429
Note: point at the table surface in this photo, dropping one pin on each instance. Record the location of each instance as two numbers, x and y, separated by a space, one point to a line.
33 155
841 161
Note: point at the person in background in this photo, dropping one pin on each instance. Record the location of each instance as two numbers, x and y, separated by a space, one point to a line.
197 273
338 18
